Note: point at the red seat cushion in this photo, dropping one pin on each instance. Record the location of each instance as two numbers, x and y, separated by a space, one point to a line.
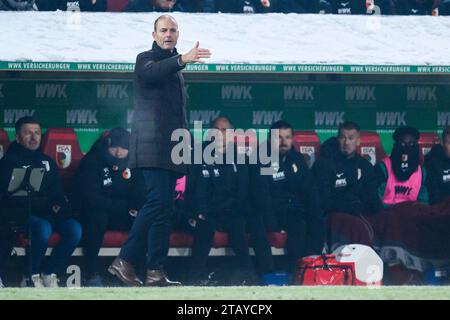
4 142
277 239
61 144
426 142
115 239
371 147
181 240
220 240
22 241
308 144
116 5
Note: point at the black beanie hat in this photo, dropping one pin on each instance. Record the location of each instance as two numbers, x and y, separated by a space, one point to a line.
406 131
118 137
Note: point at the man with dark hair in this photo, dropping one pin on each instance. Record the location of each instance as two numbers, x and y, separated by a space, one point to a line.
159 111
401 178
347 186
49 207
295 205
229 197
108 194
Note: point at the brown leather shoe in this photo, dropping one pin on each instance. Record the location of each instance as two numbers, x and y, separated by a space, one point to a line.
158 278
125 272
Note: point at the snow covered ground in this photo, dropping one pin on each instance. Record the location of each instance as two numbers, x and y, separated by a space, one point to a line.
273 38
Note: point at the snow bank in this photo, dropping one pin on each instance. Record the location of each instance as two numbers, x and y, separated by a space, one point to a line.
272 38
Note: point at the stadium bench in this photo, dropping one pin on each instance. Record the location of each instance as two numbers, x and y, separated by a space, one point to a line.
180 244
371 147
4 142
308 144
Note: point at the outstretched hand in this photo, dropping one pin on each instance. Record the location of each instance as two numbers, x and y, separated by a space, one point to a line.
196 54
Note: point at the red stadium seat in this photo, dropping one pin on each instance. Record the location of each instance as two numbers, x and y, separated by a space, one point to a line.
115 239
371 147
116 5
277 239
4 142
426 142
308 144
52 242
61 144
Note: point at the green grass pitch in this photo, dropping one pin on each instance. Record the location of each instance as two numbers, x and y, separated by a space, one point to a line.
231 293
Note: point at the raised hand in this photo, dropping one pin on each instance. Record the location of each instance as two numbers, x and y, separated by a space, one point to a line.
196 54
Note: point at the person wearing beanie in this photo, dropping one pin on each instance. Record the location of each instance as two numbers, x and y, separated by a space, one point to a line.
401 177
108 195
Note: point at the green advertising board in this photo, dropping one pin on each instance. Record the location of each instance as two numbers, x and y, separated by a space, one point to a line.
91 103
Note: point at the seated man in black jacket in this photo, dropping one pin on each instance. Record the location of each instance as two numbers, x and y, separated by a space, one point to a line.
229 197
347 187
295 205
108 193
437 163
49 207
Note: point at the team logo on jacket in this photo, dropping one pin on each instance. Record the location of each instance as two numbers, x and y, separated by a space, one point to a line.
205 173
46 165
341 181
107 182
370 154
309 152
446 176
278 176
63 155
126 174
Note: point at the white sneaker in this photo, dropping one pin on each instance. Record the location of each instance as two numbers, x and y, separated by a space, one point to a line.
50 280
1 284
36 281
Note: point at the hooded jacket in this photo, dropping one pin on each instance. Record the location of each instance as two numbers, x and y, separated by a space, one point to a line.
102 185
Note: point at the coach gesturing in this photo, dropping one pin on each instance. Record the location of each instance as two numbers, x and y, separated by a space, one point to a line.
159 109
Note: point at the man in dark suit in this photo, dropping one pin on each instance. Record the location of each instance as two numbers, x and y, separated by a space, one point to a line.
159 110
